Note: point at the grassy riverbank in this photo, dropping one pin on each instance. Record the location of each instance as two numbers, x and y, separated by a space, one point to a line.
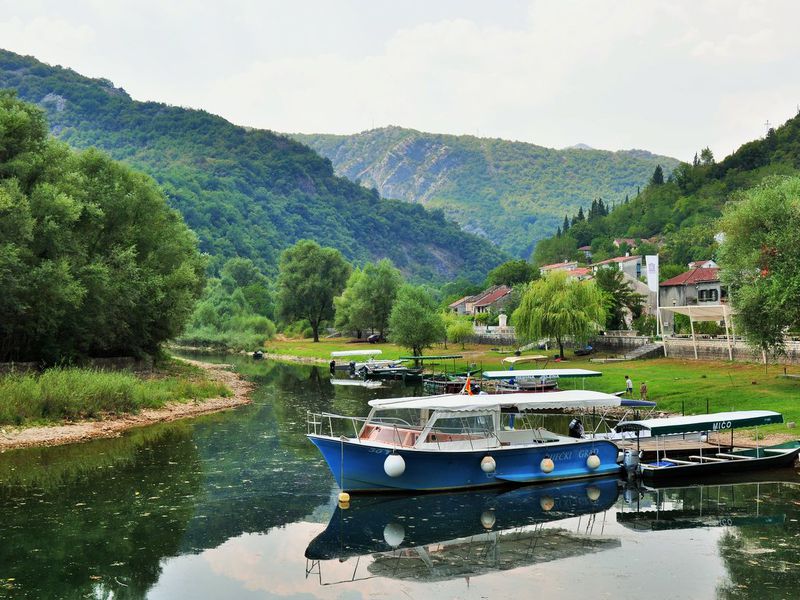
677 385
69 393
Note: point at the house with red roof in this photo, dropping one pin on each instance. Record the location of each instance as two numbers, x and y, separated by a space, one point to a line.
493 298
630 265
567 265
696 287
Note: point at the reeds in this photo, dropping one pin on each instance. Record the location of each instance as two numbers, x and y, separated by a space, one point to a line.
75 393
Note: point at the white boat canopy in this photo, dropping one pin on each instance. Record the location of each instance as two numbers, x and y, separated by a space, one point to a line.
712 422
341 353
522 402
513 360
527 373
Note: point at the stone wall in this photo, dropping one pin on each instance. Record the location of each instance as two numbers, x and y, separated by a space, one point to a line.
620 343
717 349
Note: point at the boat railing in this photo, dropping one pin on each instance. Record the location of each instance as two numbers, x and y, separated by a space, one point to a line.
334 425
401 433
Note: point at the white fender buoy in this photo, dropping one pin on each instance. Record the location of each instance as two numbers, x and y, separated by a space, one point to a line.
593 493
547 465
394 533
394 465
488 465
547 503
593 461
703 437
488 519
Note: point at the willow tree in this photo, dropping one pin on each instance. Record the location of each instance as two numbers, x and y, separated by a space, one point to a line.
558 307
760 260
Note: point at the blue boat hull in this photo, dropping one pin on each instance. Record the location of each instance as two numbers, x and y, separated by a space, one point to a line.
358 467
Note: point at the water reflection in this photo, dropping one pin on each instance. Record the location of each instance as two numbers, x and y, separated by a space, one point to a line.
437 537
230 505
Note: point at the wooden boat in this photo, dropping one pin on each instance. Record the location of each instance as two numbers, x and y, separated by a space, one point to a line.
459 441
533 380
444 383
700 466
367 357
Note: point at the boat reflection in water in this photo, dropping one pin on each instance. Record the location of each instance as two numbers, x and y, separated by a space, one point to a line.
436 537
728 502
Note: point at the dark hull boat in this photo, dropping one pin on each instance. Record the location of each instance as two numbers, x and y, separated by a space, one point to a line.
739 461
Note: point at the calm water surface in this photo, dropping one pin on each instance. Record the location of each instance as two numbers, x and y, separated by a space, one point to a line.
240 505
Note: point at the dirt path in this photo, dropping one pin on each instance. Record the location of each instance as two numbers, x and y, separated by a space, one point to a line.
113 426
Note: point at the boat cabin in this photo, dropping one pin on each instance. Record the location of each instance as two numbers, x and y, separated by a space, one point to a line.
461 422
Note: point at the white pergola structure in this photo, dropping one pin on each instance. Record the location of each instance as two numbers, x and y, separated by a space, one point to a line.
715 312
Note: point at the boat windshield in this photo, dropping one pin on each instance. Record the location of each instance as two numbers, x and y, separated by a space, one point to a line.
472 425
400 417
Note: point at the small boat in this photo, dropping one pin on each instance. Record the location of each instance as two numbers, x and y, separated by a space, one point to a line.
716 463
444 383
355 366
456 441
533 380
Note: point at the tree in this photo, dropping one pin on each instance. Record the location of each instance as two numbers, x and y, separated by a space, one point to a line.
377 289
309 278
658 176
512 272
553 250
760 261
92 260
706 157
414 322
557 307
620 297
351 310
459 331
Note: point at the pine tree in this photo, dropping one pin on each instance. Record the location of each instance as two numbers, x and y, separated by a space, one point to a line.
602 209
558 232
696 160
658 176
565 226
626 198
593 210
580 216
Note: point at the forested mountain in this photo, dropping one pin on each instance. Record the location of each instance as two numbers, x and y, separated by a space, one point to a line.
681 211
246 192
511 192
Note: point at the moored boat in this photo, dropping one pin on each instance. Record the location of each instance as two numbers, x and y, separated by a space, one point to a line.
533 380
460 441
712 463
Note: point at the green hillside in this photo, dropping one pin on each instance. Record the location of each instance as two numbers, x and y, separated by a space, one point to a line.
682 211
246 192
510 192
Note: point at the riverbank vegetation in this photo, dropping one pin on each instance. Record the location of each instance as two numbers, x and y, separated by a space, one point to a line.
92 260
70 393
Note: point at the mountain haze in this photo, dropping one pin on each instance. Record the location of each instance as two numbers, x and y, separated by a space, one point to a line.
246 192
512 193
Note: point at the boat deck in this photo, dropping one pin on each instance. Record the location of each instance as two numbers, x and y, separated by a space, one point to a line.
676 448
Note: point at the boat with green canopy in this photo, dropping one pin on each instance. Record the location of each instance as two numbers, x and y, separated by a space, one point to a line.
716 462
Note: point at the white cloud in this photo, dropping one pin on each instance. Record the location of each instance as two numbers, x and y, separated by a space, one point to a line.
670 75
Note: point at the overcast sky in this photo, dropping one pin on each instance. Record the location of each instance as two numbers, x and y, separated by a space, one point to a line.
668 76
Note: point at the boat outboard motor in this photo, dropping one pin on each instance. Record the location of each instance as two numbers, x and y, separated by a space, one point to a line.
352 367
332 366
630 460
576 428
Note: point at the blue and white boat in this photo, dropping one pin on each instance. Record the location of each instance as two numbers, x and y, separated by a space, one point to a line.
457 441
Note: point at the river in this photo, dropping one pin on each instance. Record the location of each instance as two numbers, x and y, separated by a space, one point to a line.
240 505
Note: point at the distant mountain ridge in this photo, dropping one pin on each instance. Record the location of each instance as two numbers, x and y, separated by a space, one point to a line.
246 192
513 193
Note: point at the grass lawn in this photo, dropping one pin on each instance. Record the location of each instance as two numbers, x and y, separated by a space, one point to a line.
675 384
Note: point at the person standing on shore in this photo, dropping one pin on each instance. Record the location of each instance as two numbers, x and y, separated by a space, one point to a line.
643 390
628 386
